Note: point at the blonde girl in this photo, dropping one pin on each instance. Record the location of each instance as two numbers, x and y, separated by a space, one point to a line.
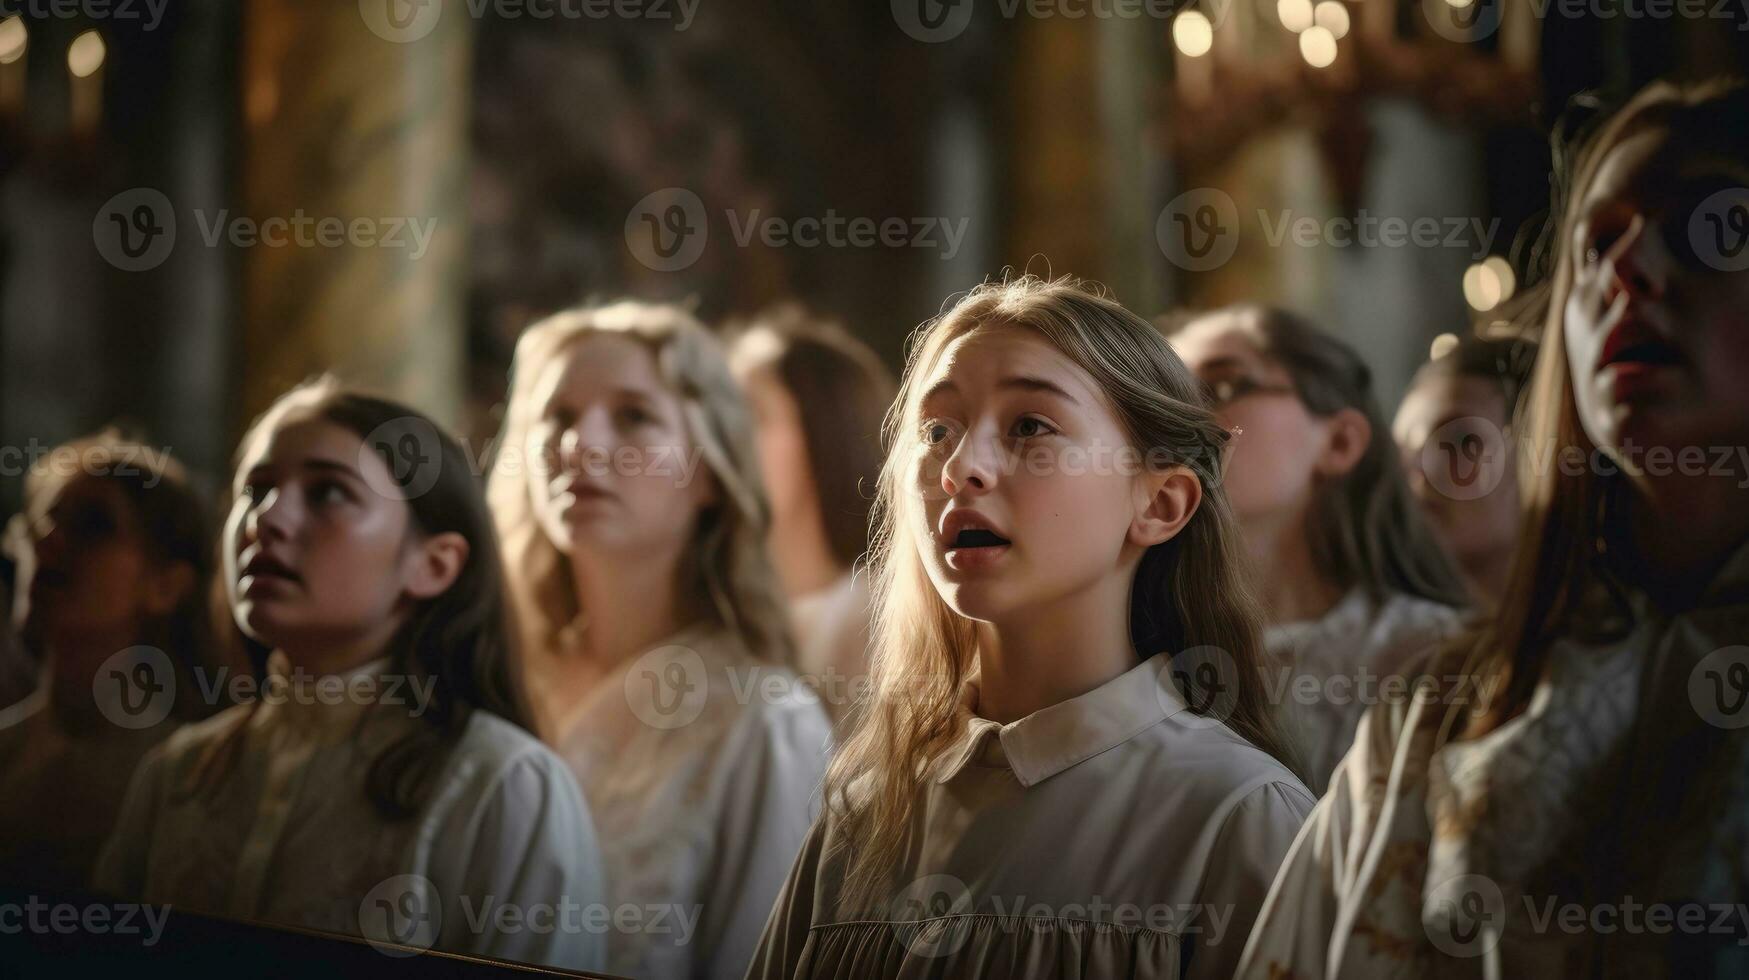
1584 750
628 496
1028 791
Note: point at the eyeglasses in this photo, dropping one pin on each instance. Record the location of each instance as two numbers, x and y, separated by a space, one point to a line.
1224 391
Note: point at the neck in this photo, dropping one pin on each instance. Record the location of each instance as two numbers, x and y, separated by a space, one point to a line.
629 606
1286 577
330 655
805 562
1487 574
1057 652
1683 529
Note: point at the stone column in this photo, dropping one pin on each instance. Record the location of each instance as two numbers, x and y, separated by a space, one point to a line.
355 149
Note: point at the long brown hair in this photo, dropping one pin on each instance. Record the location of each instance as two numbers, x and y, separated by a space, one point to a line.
461 642
1188 591
1364 528
1560 581
842 391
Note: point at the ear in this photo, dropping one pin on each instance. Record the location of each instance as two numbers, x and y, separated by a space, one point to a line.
1349 434
433 565
1165 500
167 587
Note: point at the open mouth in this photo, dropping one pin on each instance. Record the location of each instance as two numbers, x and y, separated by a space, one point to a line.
263 569
1648 352
978 537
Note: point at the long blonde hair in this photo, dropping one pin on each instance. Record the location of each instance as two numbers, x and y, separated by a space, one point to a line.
1188 592
726 570
1561 579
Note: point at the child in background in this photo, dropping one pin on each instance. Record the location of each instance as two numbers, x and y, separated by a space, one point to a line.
1455 429
818 395
628 495
1029 791
118 557
1585 748
1354 581
379 784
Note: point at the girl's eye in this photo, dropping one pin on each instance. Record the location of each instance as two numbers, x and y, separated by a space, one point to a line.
633 415
328 492
1027 427
934 433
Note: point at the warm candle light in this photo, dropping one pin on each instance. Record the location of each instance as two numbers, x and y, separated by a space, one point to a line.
1193 33
14 41
1296 15
1482 287
1193 36
1318 47
1332 16
85 54
85 61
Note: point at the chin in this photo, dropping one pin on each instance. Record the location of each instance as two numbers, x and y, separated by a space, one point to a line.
261 622
973 601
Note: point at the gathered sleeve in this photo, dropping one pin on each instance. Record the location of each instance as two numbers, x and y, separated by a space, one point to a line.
1257 833
527 845
121 864
779 953
773 793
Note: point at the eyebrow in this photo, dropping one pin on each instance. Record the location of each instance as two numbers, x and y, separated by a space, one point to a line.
1013 382
332 466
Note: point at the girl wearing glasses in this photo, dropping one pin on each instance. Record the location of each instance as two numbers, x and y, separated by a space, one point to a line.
1353 581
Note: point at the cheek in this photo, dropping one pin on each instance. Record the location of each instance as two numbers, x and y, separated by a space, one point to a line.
1722 350
1073 518
110 578
352 562
1271 460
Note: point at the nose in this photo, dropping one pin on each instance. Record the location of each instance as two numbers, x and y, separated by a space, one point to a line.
270 518
973 466
1642 269
592 435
